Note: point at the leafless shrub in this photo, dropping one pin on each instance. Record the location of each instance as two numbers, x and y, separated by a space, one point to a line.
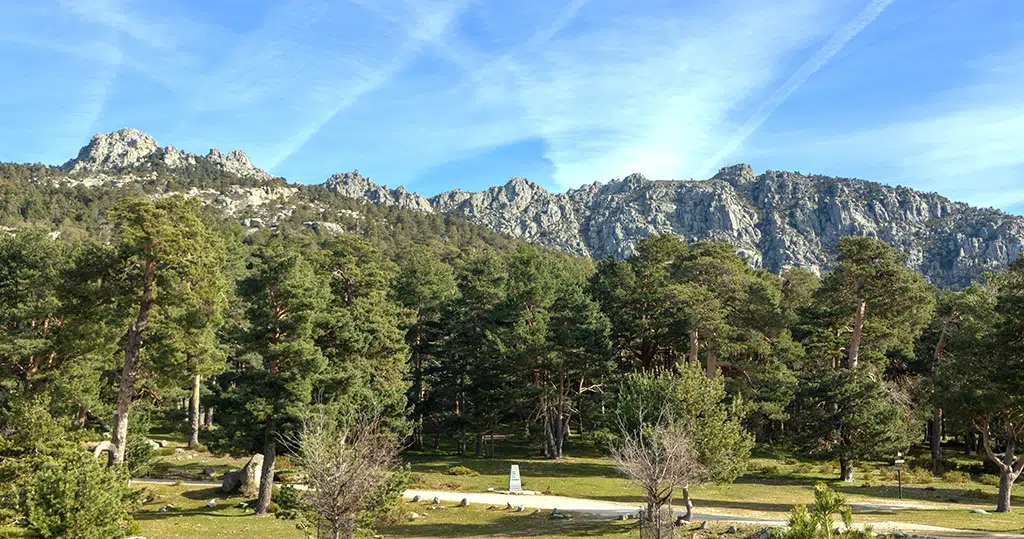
345 462
659 458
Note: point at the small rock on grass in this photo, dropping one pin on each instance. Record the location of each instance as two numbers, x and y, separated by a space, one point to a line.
732 529
979 511
464 503
416 498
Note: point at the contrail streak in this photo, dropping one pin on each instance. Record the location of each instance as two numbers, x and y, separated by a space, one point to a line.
834 45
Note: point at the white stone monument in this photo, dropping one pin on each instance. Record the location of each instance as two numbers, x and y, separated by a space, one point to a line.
515 483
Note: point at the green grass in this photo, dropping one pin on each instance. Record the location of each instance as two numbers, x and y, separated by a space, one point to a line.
191 519
775 483
770 489
480 522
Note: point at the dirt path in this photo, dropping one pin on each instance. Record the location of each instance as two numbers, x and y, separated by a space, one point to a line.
612 509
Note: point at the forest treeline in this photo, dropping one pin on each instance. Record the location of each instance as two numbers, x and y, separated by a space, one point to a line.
467 338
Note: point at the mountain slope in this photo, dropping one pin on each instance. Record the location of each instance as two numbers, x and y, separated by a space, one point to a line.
776 219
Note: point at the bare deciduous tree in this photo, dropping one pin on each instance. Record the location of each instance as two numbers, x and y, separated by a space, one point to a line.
659 458
344 463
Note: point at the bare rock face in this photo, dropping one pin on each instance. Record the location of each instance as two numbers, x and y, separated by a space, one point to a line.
127 149
119 150
775 219
236 162
354 185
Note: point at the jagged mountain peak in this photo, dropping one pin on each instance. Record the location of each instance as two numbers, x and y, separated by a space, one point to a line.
118 150
355 185
129 148
738 174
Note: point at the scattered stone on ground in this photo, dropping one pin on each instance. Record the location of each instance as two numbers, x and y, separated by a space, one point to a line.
519 509
703 525
209 471
166 508
416 498
731 529
414 516
508 505
680 521
436 501
979 511
211 504
464 502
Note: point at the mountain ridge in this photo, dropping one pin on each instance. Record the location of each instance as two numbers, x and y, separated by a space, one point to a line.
776 219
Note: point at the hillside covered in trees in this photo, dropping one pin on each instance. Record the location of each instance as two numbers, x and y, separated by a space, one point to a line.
440 331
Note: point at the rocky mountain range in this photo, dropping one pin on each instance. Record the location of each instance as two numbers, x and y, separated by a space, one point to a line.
775 219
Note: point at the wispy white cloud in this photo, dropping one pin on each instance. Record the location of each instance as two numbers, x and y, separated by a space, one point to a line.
966 142
813 64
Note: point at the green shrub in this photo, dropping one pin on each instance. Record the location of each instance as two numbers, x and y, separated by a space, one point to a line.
769 469
273 507
139 455
989 479
790 461
604 439
920 476
72 495
956 477
416 480
52 487
288 497
462 470
803 468
283 462
819 521
164 451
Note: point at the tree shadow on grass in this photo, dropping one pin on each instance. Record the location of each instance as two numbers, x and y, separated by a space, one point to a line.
508 526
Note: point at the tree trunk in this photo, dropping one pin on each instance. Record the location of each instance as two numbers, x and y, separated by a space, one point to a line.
478 449
208 419
1006 479
267 474
712 366
846 470
194 415
132 347
858 329
490 446
692 360
688 503
936 437
418 392
462 444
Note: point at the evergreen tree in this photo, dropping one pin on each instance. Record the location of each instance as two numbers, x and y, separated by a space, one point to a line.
271 382
425 285
869 307
163 251
978 379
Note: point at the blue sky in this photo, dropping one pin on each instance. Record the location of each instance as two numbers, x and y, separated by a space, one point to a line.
438 94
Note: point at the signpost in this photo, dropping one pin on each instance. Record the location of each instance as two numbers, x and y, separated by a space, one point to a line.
898 464
515 483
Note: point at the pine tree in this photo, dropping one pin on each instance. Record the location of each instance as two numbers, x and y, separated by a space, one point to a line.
272 379
869 307
425 285
163 253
